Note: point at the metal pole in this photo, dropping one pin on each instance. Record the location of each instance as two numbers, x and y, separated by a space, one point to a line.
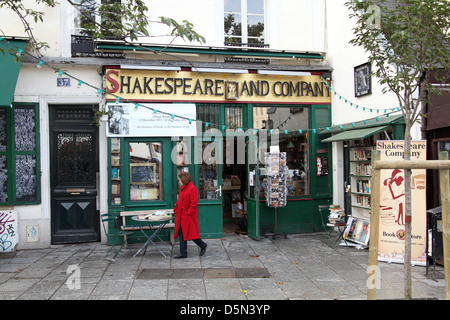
374 229
445 202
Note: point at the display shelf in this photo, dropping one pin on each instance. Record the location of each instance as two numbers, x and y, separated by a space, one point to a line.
360 152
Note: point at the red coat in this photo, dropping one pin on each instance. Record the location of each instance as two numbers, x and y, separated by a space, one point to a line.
186 214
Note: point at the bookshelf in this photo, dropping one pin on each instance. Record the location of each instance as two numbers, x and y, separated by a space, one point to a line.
115 171
360 153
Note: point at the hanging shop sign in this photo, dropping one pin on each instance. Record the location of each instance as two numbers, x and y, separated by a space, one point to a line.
145 85
151 120
391 244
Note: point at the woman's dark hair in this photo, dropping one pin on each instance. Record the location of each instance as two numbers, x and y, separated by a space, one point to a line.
185 178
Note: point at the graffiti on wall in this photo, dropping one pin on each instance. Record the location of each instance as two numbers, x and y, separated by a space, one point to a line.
8 230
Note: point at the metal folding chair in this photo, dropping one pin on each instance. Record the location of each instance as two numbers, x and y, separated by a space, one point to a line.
115 236
329 229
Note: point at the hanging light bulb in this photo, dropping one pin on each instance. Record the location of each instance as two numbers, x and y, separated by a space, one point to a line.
39 65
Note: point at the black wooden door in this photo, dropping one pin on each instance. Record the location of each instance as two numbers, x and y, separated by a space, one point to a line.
73 167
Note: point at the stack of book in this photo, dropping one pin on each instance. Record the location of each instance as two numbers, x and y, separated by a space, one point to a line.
336 215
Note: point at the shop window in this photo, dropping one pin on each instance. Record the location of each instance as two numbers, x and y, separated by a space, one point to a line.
115 171
244 23
290 124
19 155
145 171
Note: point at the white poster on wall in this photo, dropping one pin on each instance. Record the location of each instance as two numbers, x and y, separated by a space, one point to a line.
151 120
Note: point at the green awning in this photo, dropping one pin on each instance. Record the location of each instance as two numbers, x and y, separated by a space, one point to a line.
216 51
379 121
355 134
9 70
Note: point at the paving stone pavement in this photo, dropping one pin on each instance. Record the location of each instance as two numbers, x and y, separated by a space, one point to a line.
234 267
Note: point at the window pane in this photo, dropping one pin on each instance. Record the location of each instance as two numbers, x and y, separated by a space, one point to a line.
233 116
145 171
255 26
26 178
208 173
232 5
85 15
182 157
294 143
208 113
3 179
255 6
233 24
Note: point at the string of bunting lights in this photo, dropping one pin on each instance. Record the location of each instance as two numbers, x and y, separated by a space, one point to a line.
14 50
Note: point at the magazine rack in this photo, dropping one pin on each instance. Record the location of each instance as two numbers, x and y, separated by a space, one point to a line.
275 182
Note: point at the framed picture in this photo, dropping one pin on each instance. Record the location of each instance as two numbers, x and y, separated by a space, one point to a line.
231 90
363 83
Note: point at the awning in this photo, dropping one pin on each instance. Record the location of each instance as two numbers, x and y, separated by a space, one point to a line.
355 134
379 121
10 70
248 52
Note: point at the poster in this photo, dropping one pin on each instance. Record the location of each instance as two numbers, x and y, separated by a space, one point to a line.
391 245
169 120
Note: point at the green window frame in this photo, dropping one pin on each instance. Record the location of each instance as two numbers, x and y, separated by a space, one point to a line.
20 170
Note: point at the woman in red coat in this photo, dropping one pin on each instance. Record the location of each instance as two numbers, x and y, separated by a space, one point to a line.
186 217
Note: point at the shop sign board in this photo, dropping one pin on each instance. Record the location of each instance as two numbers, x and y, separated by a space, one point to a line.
391 244
151 120
188 86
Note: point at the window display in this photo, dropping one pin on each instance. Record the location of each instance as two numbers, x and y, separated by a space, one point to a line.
145 171
115 171
292 126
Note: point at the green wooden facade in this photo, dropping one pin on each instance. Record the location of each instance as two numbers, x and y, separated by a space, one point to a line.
299 216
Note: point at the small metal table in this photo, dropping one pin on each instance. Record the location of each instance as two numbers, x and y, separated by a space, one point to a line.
155 225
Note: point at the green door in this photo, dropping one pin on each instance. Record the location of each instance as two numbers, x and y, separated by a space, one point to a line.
253 222
208 179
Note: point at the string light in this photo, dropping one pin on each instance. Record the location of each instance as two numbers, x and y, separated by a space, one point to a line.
351 103
100 92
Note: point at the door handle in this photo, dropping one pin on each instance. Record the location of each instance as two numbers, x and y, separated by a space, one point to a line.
219 191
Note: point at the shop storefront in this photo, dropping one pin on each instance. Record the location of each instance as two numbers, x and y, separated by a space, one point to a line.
217 126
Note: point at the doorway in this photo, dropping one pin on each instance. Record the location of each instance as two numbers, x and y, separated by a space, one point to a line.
74 170
234 183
